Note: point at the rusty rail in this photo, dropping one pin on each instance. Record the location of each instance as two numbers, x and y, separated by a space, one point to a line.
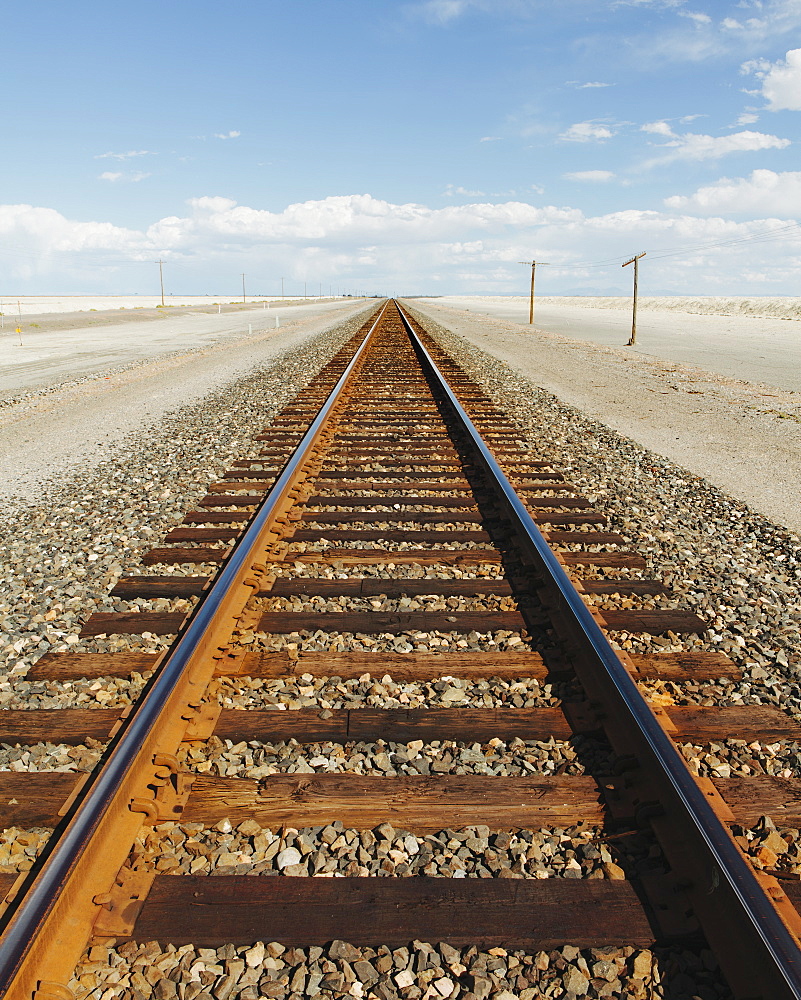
739 916
53 906
28 943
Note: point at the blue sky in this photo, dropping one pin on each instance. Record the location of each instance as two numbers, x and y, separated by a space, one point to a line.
401 147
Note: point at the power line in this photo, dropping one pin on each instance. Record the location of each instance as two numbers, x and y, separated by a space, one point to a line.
761 237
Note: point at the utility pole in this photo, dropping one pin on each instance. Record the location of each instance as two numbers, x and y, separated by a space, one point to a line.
161 279
533 263
282 287
304 289
636 262
243 288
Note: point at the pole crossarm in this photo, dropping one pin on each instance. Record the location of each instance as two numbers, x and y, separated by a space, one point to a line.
633 259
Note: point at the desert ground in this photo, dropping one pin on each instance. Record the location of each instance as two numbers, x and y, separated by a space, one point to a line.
46 347
729 415
712 385
69 396
26 306
756 339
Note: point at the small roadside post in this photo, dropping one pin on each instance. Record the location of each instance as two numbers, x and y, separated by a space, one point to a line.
636 262
533 264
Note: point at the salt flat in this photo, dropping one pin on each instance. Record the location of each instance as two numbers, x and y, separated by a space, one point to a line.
56 346
733 415
755 339
37 305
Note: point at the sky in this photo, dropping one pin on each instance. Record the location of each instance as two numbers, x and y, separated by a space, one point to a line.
401 148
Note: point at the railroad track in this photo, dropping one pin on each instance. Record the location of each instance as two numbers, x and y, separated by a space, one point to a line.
389 537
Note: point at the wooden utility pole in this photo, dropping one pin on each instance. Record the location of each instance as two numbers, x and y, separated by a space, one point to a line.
243 289
636 262
533 264
161 279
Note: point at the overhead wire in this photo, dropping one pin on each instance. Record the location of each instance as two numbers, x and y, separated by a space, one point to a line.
764 236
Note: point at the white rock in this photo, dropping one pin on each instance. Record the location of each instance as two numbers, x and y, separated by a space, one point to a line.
289 856
255 956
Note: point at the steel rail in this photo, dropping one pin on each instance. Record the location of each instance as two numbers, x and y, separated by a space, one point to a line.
725 867
25 915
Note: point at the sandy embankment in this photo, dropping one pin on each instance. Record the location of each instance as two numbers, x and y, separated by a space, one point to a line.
48 349
742 436
87 397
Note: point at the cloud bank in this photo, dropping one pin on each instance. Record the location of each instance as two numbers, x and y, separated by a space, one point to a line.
408 248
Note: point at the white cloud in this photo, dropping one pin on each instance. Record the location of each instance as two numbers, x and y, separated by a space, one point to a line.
747 118
590 176
227 135
405 247
781 81
592 86
451 190
659 4
46 242
772 19
705 34
443 11
695 36
118 175
694 146
490 138
764 193
125 156
657 128
592 131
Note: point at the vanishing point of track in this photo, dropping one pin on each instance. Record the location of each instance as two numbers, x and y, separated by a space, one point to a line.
393 458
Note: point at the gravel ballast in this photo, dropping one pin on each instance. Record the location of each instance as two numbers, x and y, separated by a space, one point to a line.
422 970
735 568
732 566
62 553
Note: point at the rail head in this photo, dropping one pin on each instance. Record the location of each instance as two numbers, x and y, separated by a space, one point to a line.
25 918
721 875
